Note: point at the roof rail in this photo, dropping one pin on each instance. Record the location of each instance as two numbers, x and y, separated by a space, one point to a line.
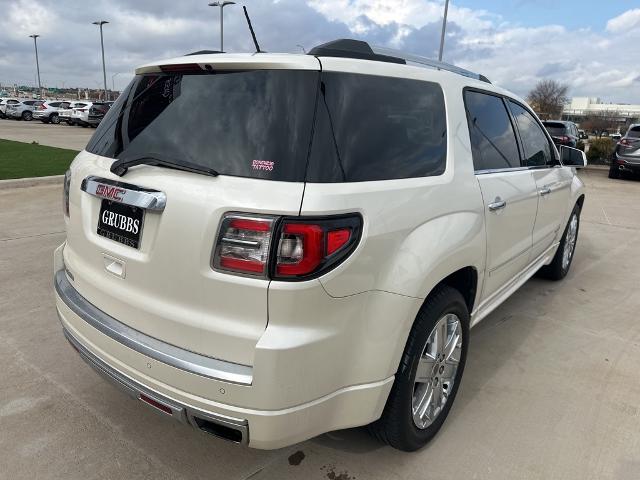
358 49
427 62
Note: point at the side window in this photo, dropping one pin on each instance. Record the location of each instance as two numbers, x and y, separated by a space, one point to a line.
493 141
377 128
537 149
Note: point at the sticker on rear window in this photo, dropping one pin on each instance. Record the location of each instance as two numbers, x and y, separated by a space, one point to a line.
265 165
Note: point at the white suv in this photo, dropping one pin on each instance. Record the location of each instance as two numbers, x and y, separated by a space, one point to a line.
268 247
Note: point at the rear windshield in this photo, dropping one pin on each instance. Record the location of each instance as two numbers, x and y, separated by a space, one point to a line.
283 125
555 128
634 132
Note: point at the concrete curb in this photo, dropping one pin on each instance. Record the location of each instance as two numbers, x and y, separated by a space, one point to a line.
31 182
597 167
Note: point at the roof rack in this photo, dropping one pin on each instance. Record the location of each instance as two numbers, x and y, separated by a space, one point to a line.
348 48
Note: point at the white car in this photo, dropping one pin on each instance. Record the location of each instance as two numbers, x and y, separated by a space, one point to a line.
3 105
300 243
23 109
48 112
66 114
80 114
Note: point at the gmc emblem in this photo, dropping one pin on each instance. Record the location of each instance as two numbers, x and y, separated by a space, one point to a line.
109 192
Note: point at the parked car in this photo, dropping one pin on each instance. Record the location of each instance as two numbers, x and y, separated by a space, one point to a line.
627 154
563 133
22 110
80 114
284 272
615 137
97 112
3 105
66 113
48 111
582 135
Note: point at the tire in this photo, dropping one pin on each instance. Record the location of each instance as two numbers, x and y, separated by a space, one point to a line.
27 116
614 172
54 118
559 266
397 426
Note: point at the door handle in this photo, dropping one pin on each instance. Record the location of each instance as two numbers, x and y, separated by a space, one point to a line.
498 204
544 191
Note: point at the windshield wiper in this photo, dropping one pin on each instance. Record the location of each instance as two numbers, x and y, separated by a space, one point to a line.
120 167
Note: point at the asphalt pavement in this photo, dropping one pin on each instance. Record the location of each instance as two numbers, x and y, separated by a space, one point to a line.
61 136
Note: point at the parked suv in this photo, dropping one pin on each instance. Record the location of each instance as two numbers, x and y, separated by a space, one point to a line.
66 113
48 111
97 112
268 247
627 154
23 109
3 105
80 114
562 133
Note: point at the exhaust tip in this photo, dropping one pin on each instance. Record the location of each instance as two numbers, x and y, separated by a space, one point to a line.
218 430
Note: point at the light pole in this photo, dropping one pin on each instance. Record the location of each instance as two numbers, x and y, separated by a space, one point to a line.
113 81
221 5
100 23
35 44
444 27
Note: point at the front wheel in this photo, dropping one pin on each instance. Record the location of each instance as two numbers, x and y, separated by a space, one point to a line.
429 374
27 116
55 119
559 266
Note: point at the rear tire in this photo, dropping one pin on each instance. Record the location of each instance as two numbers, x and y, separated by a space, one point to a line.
54 118
412 416
561 263
614 172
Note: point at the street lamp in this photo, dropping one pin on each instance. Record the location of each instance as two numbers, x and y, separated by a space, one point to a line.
221 5
35 44
113 81
444 27
100 23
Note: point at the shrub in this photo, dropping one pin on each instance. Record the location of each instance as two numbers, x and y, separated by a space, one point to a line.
600 150
580 145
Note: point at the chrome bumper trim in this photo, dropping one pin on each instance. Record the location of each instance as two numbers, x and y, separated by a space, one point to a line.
182 413
151 347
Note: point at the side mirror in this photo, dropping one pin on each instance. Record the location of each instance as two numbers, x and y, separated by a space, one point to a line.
572 157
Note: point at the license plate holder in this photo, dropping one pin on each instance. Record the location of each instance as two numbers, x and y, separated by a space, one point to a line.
121 223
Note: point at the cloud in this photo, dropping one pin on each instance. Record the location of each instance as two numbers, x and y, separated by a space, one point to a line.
625 22
140 31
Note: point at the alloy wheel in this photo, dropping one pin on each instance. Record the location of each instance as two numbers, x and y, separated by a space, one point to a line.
436 372
570 242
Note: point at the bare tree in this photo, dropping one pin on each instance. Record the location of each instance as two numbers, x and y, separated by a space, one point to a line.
548 98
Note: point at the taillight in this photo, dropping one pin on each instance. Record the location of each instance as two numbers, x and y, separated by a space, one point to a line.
65 192
288 248
243 244
42 107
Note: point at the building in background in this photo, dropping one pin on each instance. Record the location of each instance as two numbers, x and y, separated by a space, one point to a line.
594 115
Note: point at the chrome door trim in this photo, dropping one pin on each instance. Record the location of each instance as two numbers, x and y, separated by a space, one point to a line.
177 357
544 191
125 193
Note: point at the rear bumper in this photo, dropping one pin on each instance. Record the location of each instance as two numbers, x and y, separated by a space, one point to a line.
204 393
627 163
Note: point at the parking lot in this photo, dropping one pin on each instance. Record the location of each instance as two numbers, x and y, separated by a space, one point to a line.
61 136
550 389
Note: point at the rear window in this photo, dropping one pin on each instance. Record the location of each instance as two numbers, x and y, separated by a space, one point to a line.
555 128
634 132
259 124
249 124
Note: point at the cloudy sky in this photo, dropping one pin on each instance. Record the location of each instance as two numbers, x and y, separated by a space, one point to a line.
590 44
